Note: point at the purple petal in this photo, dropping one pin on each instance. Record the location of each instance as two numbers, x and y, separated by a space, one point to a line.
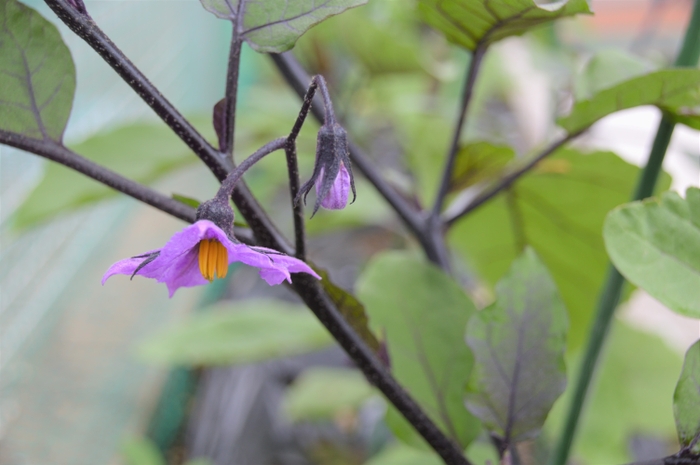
274 267
337 197
128 265
177 265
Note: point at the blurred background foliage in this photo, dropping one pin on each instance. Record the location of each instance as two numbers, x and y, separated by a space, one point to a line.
256 360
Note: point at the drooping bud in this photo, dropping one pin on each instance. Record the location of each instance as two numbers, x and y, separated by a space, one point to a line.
332 174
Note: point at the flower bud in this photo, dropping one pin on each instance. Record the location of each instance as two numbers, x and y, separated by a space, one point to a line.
332 174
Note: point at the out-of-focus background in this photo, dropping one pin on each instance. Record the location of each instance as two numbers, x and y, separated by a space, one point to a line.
74 387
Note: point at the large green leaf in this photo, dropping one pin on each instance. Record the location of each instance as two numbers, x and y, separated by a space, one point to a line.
401 454
423 314
686 400
558 209
675 91
631 395
656 245
273 26
477 162
518 343
37 75
470 22
238 332
142 152
321 393
606 69
141 451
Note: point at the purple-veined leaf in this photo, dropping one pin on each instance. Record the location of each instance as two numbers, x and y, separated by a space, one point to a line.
273 26
37 74
470 22
422 315
518 344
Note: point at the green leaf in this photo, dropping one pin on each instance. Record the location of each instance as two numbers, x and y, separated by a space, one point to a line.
141 451
477 162
422 313
518 343
352 310
656 245
189 201
238 332
468 23
674 91
606 69
401 454
558 209
632 394
320 393
37 75
143 152
273 26
686 400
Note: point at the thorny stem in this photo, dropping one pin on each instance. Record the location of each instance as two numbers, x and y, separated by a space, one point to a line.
266 233
54 151
234 65
491 191
467 92
688 56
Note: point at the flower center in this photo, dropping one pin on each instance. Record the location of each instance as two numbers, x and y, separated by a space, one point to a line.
213 259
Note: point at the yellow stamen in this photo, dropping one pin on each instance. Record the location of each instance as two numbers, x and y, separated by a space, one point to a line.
203 258
222 264
213 259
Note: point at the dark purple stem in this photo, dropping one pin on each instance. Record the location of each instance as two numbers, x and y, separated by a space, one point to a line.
232 179
54 151
415 221
467 92
218 163
234 65
491 191
267 235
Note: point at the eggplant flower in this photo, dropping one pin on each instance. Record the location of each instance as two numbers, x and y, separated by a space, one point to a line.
332 174
202 252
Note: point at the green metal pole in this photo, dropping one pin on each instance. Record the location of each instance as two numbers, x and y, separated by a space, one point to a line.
610 297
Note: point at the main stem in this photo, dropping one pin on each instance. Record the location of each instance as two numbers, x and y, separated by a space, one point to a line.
467 92
234 65
612 290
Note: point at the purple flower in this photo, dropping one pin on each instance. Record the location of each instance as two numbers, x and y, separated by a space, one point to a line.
201 252
337 196
332 174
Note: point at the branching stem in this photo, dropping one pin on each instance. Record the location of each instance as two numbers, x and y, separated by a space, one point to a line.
467 92
266 233
54 151
506 181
